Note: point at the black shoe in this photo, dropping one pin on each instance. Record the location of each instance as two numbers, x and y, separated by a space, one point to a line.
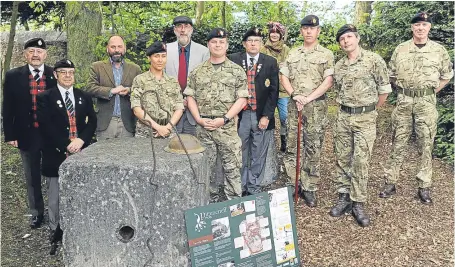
55 237
387 191
344 205
299 191
359 214
424 195
283 143
246 193
36 221
309 197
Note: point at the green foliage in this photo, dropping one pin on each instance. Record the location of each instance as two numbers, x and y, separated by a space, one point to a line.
444 142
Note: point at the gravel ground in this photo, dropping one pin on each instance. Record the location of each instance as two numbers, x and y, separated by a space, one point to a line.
403 231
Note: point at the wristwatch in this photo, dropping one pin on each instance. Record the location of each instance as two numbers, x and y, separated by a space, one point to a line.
226 120
292 94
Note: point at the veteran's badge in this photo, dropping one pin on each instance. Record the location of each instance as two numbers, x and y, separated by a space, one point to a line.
267 82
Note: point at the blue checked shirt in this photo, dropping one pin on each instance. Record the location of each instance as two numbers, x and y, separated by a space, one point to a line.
118 74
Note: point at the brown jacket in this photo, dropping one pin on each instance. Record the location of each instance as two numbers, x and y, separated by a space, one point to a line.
100 83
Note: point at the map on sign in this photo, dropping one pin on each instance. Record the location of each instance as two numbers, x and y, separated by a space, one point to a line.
253 231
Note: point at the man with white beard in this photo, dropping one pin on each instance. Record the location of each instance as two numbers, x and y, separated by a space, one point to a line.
183 56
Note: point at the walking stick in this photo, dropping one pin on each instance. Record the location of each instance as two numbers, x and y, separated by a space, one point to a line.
297 165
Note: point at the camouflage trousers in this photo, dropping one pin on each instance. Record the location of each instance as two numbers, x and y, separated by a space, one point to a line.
420 113
226 142
314 121
354 140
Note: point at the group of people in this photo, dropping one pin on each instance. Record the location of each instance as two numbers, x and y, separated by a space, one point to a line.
229 102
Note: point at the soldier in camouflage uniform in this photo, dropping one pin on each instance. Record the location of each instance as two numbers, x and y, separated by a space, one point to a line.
156 94
362 85
216 93
419 68
307 75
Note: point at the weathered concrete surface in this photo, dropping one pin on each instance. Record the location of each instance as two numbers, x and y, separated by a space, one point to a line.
108 186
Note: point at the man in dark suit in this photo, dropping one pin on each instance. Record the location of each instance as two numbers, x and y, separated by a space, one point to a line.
20 124
256 120
67 123
110 82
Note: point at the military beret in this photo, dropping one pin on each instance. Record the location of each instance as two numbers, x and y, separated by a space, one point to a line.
344 29
35 42
156 47
421 16
217 33
276 27
252 32
63 63
182 19
310 20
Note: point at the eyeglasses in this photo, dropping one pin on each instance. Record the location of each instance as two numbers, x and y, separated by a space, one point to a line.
182 26
256 41
64 72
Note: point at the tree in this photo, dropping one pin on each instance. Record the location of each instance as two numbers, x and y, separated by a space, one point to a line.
199 12
12 33
83 28
363 12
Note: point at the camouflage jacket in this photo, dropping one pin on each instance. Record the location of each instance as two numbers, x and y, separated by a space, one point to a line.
359 83
306 70
216 90
420 68
159 95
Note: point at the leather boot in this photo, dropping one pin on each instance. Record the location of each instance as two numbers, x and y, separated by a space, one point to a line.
387 191
359 214
424 195
283 143
343 205
309 197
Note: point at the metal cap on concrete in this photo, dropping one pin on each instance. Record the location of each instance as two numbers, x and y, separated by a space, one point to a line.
192 145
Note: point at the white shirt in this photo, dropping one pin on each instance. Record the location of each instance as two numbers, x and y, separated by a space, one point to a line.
63 93
41 70
256 58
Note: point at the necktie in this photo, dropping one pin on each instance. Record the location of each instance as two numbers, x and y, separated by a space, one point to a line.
36 77
251 63
182 69
69 104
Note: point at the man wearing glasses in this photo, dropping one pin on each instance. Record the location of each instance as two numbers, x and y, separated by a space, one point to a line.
257 119
183 56
20 121
67 124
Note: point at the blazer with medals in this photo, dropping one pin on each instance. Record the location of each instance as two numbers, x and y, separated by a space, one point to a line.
99 85
17 104
266 84
54 126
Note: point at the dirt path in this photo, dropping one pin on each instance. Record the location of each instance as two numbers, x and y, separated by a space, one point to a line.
403 231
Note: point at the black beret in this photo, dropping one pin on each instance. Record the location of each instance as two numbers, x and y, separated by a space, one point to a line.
156 47
252 32
344 29
421 16
63 63
310 20
217 33
35 42
182 19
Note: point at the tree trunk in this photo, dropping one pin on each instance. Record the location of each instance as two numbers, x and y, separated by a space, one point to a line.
83 27
363 11
223 14
199 12
12 34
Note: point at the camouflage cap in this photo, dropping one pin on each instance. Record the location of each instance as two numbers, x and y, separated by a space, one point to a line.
252 32
421 16
35 42
217 33
156 47
310 20
63 63
344 29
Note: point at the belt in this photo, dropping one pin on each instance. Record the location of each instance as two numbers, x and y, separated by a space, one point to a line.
415 93
358 110
322 97
210 117
161 121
